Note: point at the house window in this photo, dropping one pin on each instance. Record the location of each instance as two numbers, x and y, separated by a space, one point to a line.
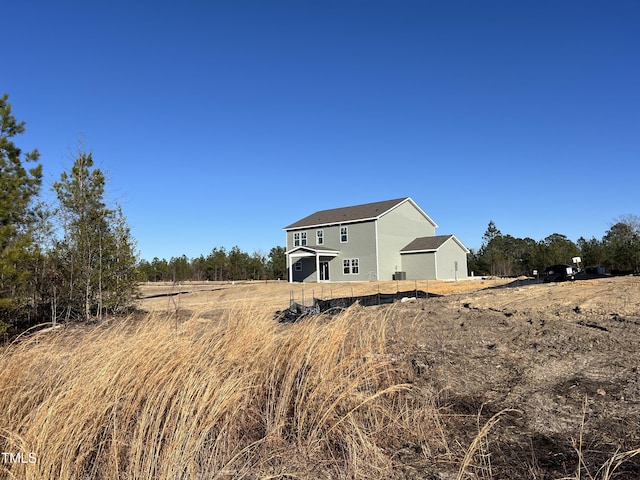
351 266
319 237
296 239
303 238
344 237
298 266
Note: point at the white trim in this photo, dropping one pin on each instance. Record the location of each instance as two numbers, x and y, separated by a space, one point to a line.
326 280
302 255
307 252
350 265
435 266
290 269
466 250
313 250
375 229
433 250
346 234
357 265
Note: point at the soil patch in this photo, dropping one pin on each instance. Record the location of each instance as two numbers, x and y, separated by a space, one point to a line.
562 357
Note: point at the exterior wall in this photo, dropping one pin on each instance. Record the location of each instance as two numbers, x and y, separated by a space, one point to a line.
308 272
419 266
311 237
395 230
361 244
439 265
449 253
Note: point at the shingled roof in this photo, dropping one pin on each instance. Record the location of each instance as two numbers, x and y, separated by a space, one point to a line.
429 244
367 211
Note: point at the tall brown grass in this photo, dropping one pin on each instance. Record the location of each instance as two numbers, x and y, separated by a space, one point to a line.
236 396
240 395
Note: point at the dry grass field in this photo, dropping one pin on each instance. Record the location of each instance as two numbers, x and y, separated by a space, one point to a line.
536 381
166 296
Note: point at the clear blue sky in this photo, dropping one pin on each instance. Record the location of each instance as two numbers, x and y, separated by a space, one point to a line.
220 122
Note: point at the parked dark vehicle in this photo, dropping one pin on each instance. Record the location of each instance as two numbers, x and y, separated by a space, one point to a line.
560 273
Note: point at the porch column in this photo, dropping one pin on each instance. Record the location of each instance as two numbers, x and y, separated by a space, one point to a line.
317 267
290 268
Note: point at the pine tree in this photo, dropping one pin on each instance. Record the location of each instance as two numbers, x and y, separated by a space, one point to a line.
277 263
19 189
95 258
490 251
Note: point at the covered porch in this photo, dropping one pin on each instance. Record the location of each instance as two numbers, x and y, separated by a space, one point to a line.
310 263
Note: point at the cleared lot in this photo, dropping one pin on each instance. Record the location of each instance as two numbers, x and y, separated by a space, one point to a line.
163 296
563 360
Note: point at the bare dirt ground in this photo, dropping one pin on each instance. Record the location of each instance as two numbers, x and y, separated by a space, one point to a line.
562 358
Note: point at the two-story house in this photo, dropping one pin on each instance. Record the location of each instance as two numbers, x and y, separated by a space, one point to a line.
393 239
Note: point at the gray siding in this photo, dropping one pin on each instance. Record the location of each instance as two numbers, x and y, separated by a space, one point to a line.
419 266
308 273
395 230
361 244
449 253
311 237
438 265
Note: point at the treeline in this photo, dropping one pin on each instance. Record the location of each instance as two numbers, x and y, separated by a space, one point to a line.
218 265
618 251
74 259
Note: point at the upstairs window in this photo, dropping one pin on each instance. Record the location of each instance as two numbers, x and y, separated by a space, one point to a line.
319 237
303 238
344 235
296 239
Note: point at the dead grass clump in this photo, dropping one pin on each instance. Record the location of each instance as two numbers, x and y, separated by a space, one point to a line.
238 395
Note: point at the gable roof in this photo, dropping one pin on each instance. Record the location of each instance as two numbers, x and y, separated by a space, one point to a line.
356 213
430 244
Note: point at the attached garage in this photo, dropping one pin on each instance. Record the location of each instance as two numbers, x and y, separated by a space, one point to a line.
441 257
